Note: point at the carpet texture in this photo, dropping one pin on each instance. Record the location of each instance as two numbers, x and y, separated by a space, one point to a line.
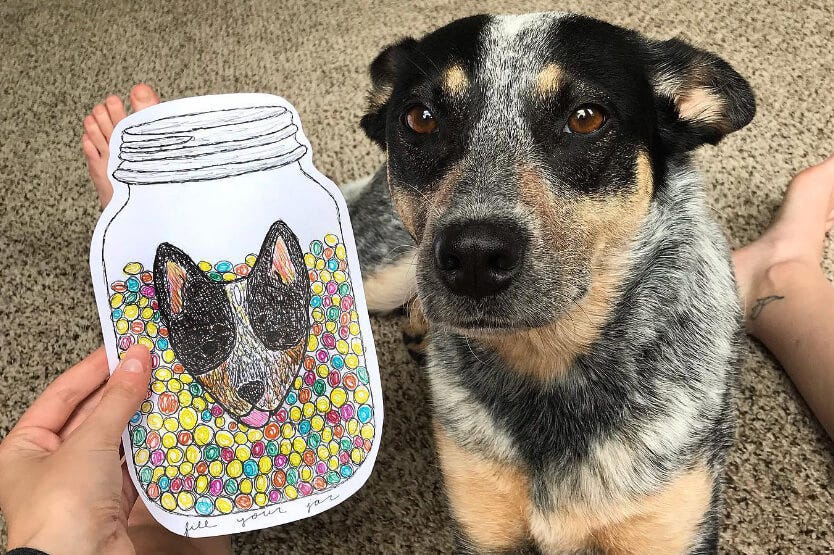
60 58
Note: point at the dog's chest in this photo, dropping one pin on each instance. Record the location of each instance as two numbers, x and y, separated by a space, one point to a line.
575 445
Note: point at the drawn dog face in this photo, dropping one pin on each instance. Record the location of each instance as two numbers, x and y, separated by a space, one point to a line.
523 153
242 340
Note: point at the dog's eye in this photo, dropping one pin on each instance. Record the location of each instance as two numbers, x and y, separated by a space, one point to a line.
585 119
420 120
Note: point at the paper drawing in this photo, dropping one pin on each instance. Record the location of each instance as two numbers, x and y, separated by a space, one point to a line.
231 258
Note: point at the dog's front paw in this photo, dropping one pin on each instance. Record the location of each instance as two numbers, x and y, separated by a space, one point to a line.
416 333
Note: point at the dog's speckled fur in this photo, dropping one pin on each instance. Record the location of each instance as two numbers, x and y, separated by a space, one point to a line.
615 430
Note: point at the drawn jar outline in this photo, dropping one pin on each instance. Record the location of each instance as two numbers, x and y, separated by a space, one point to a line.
167 177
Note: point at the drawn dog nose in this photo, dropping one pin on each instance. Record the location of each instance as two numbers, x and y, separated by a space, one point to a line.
478 259
251 392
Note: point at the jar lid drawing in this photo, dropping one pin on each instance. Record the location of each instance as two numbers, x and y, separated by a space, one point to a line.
232 259
208 145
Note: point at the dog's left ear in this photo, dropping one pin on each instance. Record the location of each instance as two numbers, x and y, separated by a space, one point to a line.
699 97
383 70
278 290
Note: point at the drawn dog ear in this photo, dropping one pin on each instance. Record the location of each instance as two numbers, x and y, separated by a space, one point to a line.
700 98
195 310
278 290
173 271
383 70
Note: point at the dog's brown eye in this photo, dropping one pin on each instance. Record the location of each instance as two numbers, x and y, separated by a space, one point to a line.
420 120
585 119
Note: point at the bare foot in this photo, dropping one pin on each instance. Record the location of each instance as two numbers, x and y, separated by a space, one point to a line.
794 241
98 126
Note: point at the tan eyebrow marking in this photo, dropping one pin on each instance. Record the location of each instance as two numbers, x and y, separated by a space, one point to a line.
549 79
455 81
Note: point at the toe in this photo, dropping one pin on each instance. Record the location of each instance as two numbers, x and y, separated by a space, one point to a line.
90 150
116 108
142 96
93 131
97 166
102 117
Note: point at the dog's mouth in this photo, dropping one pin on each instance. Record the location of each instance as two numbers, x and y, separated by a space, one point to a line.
256 418
482 324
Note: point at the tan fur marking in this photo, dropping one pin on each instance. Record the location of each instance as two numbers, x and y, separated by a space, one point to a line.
489 500
694 100
702 105
548 80
663 523
547 352
411 205
417 325
596 228
392 285
455 81
378 96
408 208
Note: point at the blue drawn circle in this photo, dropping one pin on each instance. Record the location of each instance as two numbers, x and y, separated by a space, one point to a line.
250 468
133 284
365 413
204 506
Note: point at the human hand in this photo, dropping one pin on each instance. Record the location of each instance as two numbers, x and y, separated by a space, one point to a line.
62 487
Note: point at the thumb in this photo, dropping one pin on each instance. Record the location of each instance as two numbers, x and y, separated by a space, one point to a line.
121 397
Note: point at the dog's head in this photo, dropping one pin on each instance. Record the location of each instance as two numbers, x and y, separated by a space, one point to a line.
242 340
523 153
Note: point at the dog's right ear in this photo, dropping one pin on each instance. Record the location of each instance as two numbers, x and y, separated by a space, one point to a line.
174 272
384 70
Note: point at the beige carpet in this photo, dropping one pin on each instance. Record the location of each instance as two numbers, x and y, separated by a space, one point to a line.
58 58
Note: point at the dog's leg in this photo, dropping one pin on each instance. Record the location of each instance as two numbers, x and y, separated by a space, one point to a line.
674 520
386 250
416 333
489 500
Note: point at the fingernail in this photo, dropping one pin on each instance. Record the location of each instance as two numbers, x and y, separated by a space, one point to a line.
131 365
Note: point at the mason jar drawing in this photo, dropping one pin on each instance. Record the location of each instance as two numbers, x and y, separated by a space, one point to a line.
229 256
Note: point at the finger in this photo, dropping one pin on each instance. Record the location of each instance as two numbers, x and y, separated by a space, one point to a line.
55 405
84 409
122 395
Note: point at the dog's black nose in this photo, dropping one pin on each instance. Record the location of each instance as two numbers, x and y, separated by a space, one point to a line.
251 392
479 258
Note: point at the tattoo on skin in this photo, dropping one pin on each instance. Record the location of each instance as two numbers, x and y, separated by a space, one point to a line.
761 303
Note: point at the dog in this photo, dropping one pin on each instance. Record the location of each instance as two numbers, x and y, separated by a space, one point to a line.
243 340
539 199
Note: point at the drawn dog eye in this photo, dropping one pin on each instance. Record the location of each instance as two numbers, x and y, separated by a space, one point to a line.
420 120
586 119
